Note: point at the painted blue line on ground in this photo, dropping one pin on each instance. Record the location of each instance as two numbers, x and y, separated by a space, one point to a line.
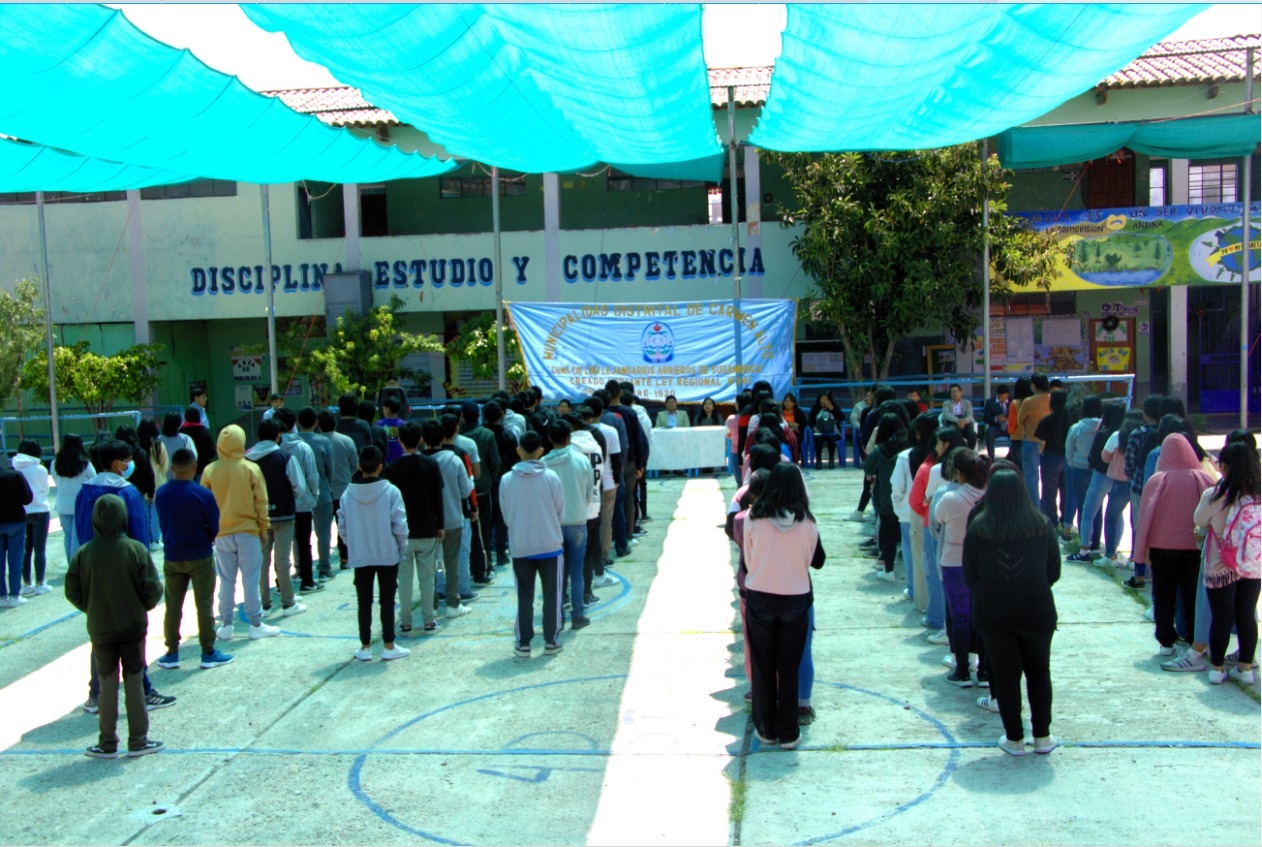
37 630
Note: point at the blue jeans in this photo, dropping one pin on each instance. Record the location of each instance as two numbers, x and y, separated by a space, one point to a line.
462 568
908 564
1051 472
1079 479
935 610
1119 497
155 531
12 542
733 465
1030 468
68 538
806 670
1141 568
574 551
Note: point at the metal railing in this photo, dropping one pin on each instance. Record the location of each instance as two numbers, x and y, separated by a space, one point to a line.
39 428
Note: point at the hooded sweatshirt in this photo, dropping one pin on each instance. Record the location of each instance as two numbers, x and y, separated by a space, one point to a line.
306 496
281 505
457 486
104 483
574 469
112 577
952 512
202 441
1170 499
778 552
373 521
36 477
1078 443
585 444
15 493
533 504
238 486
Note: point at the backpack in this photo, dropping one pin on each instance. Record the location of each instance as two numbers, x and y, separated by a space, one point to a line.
825 423
1240 547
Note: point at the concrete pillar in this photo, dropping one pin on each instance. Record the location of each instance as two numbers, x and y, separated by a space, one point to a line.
350 217
552 237
136 258
753 217
1178 349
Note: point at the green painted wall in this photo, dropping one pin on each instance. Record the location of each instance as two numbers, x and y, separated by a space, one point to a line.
414 207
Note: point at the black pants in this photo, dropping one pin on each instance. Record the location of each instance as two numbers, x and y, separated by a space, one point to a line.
888 538
828 441
106 657
866 495
631 506
524 572
643 492
302 548
993 433
480 545
501 530
1173 571
342 553
593 561
1233 604
777 626
36 544
387 579
1009 655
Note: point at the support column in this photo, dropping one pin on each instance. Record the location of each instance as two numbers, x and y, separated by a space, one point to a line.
753 216
350 218
552 237
136 261
1178 312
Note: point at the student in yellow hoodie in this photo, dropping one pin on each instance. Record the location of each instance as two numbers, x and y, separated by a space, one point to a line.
241 494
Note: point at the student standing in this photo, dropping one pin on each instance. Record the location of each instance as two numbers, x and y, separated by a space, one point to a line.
159 465
1033 410
373 521
1103 483
1010 563
891 439
322 514
420 483
189 518
345 461
969 471
1077 464
282 478
578 478
199 433
995 418
350 425
457 487
390 422
71 469
305 499
534 507
481 563
173 439
1021 391
15 494
27 462
1050 435
112 580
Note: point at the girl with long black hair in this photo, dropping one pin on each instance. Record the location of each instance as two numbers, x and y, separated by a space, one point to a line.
71 469
825 423
1105 481
969 471
891 439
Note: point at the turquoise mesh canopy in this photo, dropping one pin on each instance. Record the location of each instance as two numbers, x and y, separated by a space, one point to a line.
1190 138
903 77
34 167
530 87
83 78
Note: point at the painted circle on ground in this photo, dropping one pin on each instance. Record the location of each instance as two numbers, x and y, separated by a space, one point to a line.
551 752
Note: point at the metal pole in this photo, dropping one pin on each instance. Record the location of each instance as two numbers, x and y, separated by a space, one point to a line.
501 371
985 276
1246 195
736 226
271 290
48 322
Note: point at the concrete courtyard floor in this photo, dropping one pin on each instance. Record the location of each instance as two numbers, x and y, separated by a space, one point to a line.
637 733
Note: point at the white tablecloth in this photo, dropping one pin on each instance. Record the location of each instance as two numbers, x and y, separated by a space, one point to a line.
688 448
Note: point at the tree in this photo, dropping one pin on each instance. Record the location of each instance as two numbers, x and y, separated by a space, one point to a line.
894 241
364 350
476 345
96 381
23 322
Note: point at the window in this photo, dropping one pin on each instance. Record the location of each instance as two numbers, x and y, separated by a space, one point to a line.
373 221
1157 185
617 180
320 210
1043 303
714 198
455 187
1213 182
27 198
185 190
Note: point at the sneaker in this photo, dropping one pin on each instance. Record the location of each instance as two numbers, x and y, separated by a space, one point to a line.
458 611
521 651
989 703
749 696
856 517
431 628
1045 745
149 747
553 648
41 588
295 609
1136 582
405 631
590 599
949 660
1080 557
483 580
1217 677
1189 662
885 576
465 596
960 679
96 751
640 532
806 715
156 700
1148 614
395 652
1248 677
170 661
308 589
17 600
27 590
215 659
791 745
1165 651
579 622
1012 748
263 631
609 563
939 637
224 633
603 581
1232 658
364 654
622 554
924 621
764 741
90 706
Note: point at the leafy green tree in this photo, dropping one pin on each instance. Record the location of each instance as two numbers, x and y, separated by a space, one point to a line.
23 322
475 344
894 242
96 381
365 350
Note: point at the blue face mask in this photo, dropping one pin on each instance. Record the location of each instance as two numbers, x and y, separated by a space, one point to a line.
129 470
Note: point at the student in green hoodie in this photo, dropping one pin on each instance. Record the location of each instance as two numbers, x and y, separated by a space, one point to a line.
112 580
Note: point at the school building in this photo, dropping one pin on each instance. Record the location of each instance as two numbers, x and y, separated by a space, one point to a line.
182 265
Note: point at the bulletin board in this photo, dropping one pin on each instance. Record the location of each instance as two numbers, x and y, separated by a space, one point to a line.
1054 344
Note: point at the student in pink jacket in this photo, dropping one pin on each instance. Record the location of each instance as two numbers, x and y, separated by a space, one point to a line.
781 542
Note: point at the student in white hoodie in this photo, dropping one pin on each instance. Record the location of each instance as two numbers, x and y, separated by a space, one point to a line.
27 462
576 468
534 507
373 522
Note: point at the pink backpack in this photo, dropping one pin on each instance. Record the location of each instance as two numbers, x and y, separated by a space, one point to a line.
1240 548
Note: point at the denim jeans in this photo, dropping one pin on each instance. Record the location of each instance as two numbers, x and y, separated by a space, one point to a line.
1119 497
1141 568
908 563
574 551
1079 479
155 531
734 467
12 540
935 611
68 538
1051 472
464 578
322 519
1030 468
36 547
806 670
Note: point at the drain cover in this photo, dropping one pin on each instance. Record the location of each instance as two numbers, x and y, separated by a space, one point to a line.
156 812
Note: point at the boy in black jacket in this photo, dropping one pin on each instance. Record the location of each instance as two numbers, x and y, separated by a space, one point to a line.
420 481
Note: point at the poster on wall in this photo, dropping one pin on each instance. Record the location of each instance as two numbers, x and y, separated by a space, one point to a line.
1113 359
1154 245
246 367
244 400
688 350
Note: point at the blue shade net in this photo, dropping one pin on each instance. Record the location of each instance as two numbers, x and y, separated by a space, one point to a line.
530 87
82 78
34 167
915 76
1188 138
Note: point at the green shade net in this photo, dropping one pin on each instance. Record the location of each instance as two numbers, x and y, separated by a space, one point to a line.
1190 138
886 77
83 78
531 87
34 167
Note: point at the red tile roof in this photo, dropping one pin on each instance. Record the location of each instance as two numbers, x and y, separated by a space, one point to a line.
751 84
1203 61
338 106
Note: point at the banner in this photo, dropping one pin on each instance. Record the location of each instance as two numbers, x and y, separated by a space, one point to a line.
1154 245
684 349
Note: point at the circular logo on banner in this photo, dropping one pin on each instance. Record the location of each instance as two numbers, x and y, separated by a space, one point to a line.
658 343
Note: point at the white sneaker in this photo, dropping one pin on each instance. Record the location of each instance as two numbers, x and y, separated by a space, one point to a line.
6 602
263 631
295 609
364 654
42 588
1043 746
603 581
224 633
395 652
949 660
1248 677
1165 651
856 517
885 576
939 637
988 703
458 611
1012 748
28 590
1217 677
